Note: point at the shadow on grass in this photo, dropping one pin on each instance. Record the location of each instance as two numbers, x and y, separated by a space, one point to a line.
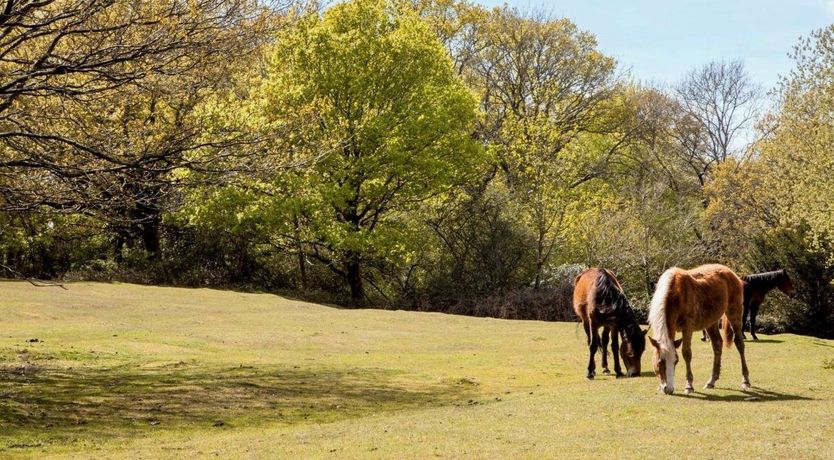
39 403
754 394
764 341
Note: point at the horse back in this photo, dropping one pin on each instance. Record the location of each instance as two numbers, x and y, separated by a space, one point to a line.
592 295
716 291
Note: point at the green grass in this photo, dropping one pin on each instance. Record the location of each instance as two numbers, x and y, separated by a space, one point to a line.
146 372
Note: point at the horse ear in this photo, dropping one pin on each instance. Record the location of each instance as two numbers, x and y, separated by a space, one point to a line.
654 342
678 342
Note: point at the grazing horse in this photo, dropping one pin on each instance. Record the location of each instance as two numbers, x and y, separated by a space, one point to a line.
599 301
689 300
756 288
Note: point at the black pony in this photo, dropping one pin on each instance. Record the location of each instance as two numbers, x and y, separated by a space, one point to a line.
756 288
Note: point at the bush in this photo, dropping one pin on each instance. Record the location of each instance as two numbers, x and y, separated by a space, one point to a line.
553 301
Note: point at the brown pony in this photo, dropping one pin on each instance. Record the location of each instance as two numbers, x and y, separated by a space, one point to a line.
689 300
599 301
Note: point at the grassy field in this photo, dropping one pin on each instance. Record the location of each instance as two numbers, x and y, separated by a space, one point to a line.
103 370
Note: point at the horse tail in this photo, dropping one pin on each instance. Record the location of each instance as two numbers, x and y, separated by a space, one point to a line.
727 332
735 309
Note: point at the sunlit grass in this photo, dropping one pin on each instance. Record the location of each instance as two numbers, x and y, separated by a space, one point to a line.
130 371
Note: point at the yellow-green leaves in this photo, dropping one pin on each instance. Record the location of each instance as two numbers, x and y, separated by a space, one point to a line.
787 182
366 100
547 95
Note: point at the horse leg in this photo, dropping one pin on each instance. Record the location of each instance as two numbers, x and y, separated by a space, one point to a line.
615 350
754 311
715 340
587 328
594 339
704 335
739 341
744 315
606 333
687 357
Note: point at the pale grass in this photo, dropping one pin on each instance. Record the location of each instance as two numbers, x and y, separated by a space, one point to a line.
128 371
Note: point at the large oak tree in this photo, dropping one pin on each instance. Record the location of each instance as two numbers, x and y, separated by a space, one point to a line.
366 98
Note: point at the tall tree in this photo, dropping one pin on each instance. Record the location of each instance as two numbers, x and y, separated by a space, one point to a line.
368 96
550 114
716 107
788 175
719 103
103 113
638 218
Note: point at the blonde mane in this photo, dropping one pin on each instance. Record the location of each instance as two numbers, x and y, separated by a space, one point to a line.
657 312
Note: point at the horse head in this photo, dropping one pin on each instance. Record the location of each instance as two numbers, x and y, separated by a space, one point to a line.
632 348
662 369
786 284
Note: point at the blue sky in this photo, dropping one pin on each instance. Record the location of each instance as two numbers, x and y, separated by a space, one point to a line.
661 40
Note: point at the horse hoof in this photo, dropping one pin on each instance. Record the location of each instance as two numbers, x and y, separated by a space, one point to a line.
709 386
606 371
620 375
688 391
589 376
745 386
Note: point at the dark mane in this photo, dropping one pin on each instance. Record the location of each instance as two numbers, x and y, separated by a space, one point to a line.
767 278
610 295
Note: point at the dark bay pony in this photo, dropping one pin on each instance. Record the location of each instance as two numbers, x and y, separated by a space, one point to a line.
599 301
690 300
756 288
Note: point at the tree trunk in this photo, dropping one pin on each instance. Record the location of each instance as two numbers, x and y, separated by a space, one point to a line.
353 273
302 268
150 235
118 247
302 258
147 220
539 259
537 282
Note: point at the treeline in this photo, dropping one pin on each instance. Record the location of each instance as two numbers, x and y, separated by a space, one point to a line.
422 154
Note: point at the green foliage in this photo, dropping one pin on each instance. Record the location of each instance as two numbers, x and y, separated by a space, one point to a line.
550 118
774 207
49 246
795 158
480 247
382 123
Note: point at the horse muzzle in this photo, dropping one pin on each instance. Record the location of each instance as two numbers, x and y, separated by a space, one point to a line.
667 389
